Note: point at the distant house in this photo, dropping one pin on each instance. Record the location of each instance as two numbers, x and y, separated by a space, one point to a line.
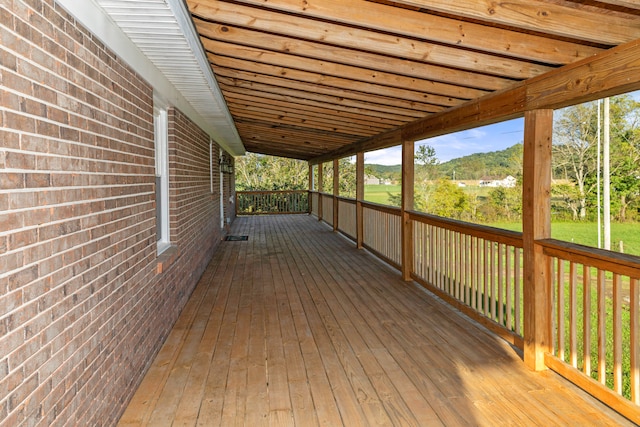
371 180
508 182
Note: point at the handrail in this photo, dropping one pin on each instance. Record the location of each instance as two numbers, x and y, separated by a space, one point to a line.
508 237
272 191
347 199
628 265
262 202
588 288
393 210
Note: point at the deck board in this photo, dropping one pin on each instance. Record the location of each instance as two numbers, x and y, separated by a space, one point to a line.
297 327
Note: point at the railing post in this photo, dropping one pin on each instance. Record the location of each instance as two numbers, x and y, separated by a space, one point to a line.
336 192
359 198
406 206
536 224
311 188
320 189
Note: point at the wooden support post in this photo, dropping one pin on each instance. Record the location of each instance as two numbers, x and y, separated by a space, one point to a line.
536 224
336 192
320 189
311 188
406 206
359 198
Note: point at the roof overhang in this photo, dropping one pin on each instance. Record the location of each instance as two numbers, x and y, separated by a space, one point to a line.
158 40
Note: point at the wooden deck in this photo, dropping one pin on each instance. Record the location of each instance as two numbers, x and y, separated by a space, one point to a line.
297 327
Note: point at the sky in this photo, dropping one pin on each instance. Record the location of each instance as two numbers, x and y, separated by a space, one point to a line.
479 140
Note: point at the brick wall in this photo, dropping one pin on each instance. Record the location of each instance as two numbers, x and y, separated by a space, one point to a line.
82 307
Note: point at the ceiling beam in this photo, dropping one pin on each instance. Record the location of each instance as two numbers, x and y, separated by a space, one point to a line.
338 86
563 21
344 99
362 39
329 115
340 70
443 30
334 110
352 57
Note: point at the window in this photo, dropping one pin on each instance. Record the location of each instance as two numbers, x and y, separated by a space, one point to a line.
160 128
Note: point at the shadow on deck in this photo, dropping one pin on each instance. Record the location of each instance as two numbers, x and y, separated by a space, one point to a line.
297 327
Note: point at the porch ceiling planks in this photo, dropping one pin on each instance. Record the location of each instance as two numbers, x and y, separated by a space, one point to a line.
307 79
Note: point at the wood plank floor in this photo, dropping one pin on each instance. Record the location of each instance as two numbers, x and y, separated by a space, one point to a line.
297 327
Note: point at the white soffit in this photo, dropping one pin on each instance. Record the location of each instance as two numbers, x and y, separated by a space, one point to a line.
158 40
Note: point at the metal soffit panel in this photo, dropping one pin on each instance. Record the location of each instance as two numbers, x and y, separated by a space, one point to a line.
162 30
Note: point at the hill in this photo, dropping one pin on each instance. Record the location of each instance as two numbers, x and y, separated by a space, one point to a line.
392 172
472 167
493 164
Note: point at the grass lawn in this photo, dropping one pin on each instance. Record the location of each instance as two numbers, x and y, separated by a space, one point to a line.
586 233
380 193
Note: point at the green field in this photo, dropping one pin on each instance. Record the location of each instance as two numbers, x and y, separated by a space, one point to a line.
586 233
380 193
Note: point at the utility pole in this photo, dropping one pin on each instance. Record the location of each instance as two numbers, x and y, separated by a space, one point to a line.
607 179
598 173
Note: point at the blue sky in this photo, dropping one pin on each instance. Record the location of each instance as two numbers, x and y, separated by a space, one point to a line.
479 140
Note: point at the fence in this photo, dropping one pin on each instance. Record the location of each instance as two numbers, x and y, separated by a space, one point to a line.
272 202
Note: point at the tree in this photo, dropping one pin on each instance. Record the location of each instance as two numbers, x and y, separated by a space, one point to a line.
347 181
575 152
507 202
258 172
448 200
574 149
569 196
426 163
624 158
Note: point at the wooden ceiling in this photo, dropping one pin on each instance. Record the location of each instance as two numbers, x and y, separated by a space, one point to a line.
305 78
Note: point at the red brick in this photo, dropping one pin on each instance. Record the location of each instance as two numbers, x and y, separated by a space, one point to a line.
38 180
11 382
11 181
10 100
22 200
9 140
22 238
14 160
10 221
37 217
34 143
30 106
23 391
47 128
45 94
36 253
23 277
15 81
9 302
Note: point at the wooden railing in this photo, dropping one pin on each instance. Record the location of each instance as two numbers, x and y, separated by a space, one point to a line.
347 217
382 231
595 309
314 203
327 208
595 324
476 268
272 202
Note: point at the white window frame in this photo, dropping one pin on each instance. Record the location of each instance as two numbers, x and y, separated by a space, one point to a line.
211 166
161 137
222 218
